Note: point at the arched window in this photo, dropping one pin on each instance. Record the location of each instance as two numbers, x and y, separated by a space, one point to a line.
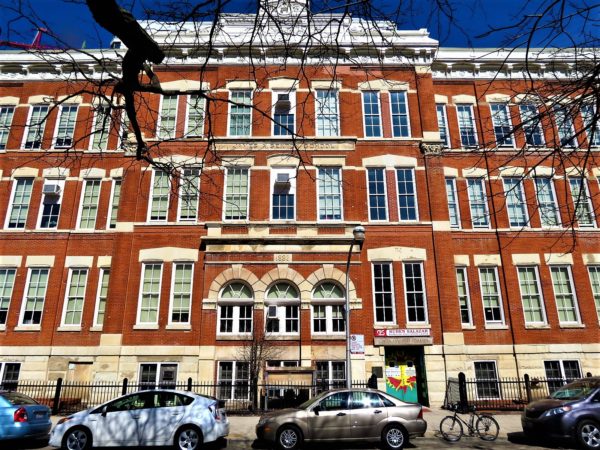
328 309
282 307
235 309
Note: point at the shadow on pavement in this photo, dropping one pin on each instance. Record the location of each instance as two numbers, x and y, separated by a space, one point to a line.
521 438
23 444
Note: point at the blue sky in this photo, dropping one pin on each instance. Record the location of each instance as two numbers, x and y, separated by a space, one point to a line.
73 23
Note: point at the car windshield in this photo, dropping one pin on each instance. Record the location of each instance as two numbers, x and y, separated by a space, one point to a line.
575 390
15 398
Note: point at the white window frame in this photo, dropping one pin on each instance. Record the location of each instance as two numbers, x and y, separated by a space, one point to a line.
540 294
235 329
250 105
6 292
3 381
423 293
5 125
553 202
487 380
385 195
528 122
25 296
331 381
582 201
247 194
104 131
11 204
61 183
235 381
67 296
291 171
362 99
414 194
41 127
160 132
443 120
201 106
509 139
320 183
561 112
588 111
91 206
467 296
473 125
141 293
99 297
501 321
113 206
57 126
453 204
335 131
328 319
487 225
595 285
555 383
172 294
577 320
516 192
152 196
292 112
394 317
405 94
182 193
157 382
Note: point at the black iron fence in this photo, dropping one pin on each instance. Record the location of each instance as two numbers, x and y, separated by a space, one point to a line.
242 397
502 394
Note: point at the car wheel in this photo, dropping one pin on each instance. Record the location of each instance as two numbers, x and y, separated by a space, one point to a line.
77 438
289 437
588 434
394 437
188 438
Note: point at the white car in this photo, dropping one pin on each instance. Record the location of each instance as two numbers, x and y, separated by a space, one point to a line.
146 418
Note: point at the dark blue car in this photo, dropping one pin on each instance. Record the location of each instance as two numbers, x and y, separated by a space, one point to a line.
21 417
571 412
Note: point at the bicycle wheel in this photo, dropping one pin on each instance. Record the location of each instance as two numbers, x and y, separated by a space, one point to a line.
487 428
451 428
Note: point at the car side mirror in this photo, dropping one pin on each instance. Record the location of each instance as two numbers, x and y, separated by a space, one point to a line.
104 411
316 410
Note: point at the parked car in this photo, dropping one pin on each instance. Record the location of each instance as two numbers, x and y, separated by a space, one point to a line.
21 417
571 412
149 418
344 415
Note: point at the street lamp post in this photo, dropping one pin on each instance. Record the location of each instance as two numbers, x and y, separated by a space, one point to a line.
358 237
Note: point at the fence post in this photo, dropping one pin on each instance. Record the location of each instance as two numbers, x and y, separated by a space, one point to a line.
462 391
189 384
124 388
527 387
56 402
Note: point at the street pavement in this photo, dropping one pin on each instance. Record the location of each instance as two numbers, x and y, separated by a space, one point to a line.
242 437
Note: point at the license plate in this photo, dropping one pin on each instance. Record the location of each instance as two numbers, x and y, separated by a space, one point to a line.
40 414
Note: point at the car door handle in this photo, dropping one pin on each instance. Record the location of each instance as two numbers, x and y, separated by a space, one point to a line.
135 417
341 414
176 414
377 411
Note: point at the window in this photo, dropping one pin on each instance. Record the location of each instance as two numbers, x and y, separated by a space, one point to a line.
235 309
181 293
377 194
330 375
35 295
582 201
114 202
564 123
464 300
283 309
594 272
283 185
189 193
590 122
501 123
478 203
7 282
66 126
19 203
9 374
283 113
240 113
330 193
546 199
530 121
407 196
515 202
466 126
335 402
167 121
414 289
327 113
75 297
561 372
236 194
89 203
452 197
328 309
159 201
36 125
124 139
101 127
161 375
442 120
490 294
383 293
233 380
150 293
564 295
372 114
194 125
101 297
400 121
531 296
51 201
486 378
6 116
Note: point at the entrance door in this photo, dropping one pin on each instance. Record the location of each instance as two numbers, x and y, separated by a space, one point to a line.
405 374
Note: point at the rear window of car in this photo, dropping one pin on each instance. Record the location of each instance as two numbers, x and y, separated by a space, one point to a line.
14 398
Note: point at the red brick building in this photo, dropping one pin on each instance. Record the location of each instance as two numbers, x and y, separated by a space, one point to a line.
111 267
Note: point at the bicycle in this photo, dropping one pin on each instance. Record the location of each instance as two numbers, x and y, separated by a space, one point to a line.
485 426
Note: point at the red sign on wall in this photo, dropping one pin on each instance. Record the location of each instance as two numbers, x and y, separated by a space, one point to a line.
402 332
